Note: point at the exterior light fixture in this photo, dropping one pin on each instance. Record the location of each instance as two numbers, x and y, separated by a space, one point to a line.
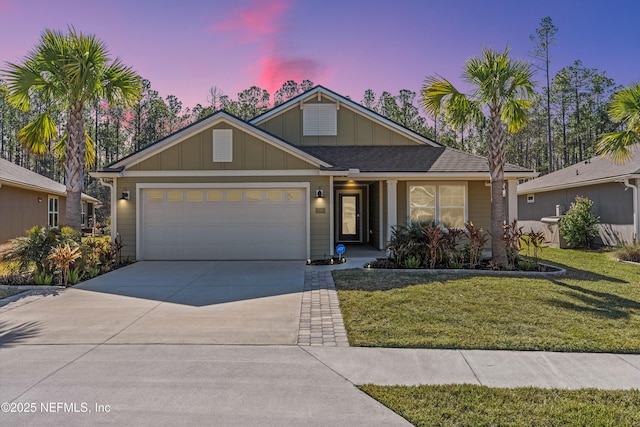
126 195
39 199
319 193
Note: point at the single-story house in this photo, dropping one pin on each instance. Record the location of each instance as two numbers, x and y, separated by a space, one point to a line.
291 183
612 187
28 199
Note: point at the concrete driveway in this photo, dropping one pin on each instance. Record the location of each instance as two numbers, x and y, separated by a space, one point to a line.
216 302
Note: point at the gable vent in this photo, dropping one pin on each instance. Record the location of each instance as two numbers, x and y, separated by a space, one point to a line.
223 145
320 119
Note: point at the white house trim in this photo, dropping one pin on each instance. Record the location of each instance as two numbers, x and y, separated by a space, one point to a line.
213 173
620 178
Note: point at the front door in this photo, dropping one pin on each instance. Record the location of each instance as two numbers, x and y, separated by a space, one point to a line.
349 217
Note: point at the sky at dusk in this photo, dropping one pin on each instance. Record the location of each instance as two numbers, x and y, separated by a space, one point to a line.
186 47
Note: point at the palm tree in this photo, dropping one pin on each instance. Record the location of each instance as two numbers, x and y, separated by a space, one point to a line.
502 91
69 71
624 107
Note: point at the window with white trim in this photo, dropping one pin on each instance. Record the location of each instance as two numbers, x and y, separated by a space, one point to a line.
53 213
320 119
223 145
443 203
531 198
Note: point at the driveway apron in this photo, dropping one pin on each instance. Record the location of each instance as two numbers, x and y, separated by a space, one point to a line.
200 302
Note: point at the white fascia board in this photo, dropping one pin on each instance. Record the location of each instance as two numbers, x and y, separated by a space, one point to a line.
104 174
345 102
212 121
215 173
32 187
619 178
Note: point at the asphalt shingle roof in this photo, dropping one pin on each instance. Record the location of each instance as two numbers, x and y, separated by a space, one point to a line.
583 173
10 173
405 158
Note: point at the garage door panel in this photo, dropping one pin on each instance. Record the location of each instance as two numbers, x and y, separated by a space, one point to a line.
224 224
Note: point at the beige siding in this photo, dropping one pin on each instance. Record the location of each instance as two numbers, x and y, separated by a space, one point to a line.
319 221
20 210
354 128
403 203
480 206
196 153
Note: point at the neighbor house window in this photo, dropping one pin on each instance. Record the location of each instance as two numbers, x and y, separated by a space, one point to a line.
531 198
443 203
223 145
320 119
53 211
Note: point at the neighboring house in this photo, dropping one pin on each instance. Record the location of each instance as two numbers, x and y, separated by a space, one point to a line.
612 187
28 199
293 182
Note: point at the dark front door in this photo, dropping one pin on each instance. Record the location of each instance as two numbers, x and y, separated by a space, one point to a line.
349 208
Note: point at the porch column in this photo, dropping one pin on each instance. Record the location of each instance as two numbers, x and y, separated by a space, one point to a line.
392 206
512 200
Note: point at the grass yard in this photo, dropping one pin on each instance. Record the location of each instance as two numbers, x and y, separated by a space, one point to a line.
594 308
473 405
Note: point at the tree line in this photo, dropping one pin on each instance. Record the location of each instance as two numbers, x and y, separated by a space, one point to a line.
569 112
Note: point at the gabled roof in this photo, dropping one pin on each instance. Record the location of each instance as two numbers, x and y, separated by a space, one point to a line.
194 128
596 170
13 175
407 158
346 101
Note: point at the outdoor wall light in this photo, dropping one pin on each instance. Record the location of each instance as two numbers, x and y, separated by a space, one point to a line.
126 195
39 199
319 193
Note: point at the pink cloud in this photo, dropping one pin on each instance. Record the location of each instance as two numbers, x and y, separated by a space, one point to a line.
261 23
261 18
276 70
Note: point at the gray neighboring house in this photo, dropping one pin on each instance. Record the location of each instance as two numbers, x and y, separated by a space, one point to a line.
28 199
612 187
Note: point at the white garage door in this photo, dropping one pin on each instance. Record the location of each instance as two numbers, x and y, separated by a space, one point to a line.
223 223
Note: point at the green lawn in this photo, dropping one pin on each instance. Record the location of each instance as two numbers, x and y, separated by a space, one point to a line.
473 405
594 308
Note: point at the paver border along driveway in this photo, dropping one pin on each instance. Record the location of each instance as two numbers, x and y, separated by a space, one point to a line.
181 302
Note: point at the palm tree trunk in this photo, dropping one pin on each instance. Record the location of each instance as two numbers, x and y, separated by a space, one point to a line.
74 166
496 170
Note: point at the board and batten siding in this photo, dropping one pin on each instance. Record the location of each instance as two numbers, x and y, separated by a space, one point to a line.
319 220
196 153
354 128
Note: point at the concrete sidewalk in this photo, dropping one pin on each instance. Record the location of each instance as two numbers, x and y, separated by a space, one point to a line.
390 366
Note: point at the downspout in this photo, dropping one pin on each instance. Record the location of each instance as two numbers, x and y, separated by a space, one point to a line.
114 210
636 223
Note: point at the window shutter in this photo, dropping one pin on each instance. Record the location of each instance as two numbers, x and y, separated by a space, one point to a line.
320 119
222 145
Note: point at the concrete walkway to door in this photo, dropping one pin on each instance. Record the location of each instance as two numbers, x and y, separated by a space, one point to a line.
200 302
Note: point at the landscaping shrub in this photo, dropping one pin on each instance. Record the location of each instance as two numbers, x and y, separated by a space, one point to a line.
511 235
432 245
48 252
579 225
629 252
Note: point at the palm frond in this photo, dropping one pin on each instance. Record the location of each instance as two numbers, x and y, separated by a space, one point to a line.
36 135
615 145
